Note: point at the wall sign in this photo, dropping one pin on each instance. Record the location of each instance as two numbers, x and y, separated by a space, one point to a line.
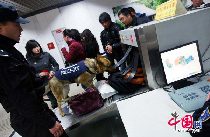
51 45
58 36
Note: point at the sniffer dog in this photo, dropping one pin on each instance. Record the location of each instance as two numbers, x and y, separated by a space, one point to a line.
88 70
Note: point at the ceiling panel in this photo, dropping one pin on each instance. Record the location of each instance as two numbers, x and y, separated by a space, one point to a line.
31 7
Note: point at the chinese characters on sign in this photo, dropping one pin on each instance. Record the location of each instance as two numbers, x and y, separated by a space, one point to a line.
186 123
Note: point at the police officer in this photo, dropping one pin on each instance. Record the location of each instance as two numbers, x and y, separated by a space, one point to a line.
29 116
110 37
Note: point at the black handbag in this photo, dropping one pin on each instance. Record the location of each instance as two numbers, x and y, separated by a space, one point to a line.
117 82
129 79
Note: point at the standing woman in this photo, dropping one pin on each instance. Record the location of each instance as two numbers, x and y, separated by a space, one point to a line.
90 44
91 47
76 51
44 65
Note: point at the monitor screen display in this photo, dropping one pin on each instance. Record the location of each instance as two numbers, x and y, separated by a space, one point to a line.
181 62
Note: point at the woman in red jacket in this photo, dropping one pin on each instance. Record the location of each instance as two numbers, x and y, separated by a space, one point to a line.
76 51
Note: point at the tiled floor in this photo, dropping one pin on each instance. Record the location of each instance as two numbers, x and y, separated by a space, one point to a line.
5 128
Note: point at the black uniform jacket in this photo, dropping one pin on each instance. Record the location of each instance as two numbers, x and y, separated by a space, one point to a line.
203 114
18 84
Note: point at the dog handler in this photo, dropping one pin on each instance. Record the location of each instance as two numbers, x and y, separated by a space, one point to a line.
29 116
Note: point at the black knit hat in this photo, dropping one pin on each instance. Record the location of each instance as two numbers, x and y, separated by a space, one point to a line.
9 13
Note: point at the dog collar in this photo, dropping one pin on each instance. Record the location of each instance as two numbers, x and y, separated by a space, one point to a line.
89 71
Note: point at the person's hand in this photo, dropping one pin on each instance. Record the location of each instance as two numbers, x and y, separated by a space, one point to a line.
57 130
52 73
42 74
64 46
109 49
208 97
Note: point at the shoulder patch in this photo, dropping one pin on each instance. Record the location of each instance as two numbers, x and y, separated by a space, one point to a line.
3 53
205 115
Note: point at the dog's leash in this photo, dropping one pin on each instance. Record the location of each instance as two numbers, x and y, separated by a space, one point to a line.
123 58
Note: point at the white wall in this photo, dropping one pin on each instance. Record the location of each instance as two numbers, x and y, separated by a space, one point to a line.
81 15
40 28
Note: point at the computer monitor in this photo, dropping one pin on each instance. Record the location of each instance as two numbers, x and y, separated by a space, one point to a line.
181 62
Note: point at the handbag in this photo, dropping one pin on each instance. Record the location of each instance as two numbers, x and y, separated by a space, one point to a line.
86 102
131 78
138 77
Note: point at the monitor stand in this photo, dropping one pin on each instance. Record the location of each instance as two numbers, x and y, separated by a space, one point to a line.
181 84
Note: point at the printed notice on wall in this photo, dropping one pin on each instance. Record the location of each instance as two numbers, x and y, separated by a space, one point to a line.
58 36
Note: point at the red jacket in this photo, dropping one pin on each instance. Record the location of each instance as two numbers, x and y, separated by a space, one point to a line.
76 52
